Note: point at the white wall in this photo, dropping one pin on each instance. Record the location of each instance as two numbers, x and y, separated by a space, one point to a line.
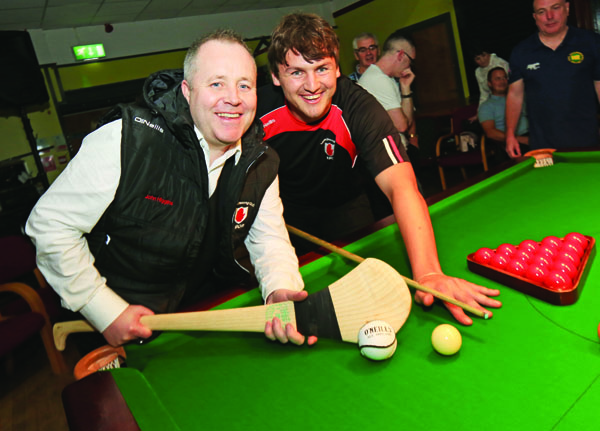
143 37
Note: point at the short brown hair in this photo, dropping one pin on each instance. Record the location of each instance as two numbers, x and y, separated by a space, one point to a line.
306 34
494 69
224 35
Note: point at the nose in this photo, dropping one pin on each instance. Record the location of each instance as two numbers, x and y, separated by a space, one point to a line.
312 83
233 96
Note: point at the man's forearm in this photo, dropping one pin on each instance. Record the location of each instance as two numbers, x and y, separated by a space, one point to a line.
408 109
514 104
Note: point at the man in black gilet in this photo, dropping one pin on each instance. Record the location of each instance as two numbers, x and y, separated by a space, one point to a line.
153 211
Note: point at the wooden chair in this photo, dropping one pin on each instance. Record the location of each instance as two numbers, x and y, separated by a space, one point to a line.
449 155
27 311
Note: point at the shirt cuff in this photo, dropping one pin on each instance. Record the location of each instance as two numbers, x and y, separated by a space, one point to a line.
103 308
281 281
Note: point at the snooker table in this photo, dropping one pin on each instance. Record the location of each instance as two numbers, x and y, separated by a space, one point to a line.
532 366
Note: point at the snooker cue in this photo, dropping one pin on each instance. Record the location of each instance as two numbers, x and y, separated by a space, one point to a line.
355 258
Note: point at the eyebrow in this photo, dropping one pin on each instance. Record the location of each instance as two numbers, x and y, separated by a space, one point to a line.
224 77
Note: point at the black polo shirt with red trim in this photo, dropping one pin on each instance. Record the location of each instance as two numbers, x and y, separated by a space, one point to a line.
318 160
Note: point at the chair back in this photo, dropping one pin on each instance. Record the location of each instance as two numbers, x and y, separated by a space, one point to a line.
17 257
460 117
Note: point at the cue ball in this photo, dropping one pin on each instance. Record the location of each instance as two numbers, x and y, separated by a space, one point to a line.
446 339
377 340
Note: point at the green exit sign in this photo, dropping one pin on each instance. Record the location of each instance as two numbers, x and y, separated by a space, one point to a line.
89 52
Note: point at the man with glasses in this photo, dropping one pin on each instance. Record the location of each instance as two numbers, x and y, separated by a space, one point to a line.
395 96
366 51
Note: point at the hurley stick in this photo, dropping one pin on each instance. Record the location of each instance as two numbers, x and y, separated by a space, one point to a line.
351 256
371 291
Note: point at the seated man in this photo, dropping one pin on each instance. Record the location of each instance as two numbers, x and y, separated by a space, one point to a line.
389 80
151 211
397 55
366 51
491 113
486 62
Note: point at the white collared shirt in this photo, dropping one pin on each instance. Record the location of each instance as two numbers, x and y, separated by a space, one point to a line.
81 194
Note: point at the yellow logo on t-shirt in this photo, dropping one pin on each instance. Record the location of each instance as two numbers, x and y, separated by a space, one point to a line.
575 57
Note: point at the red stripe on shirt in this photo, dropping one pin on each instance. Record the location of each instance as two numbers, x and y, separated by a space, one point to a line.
281 120
390 139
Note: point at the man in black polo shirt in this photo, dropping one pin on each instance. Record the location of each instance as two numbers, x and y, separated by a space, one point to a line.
557 73
320 122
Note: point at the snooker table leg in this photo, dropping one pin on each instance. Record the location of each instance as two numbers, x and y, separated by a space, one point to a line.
95 403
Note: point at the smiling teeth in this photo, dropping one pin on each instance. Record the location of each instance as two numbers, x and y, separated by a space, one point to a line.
316 96
227 115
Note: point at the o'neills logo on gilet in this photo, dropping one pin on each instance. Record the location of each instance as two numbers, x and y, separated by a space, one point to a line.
241 213
148 124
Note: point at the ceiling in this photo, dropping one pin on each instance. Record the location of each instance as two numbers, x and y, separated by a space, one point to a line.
54 14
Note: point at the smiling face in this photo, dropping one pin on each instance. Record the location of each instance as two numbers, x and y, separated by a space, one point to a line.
366 53
550 16
498 82
308 87
222 92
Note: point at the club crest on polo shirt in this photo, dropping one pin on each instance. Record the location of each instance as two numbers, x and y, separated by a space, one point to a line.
329 147
575 57
241 213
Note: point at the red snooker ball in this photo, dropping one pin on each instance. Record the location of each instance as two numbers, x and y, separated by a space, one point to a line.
552 241
523 255
529 245
508 250
517 267
574 247
558 280
499 261
569 255
541 260
484 255
536 273
575 236
547 250
565 266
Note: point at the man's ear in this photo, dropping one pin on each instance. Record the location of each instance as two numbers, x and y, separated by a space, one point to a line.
275 80
337 72
186 90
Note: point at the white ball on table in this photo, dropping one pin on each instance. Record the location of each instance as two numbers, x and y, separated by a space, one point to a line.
446 339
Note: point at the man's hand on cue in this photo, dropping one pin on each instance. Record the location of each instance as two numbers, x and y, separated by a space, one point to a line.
462 290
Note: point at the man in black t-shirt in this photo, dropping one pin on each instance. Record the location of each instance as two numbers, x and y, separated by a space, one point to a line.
320 123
